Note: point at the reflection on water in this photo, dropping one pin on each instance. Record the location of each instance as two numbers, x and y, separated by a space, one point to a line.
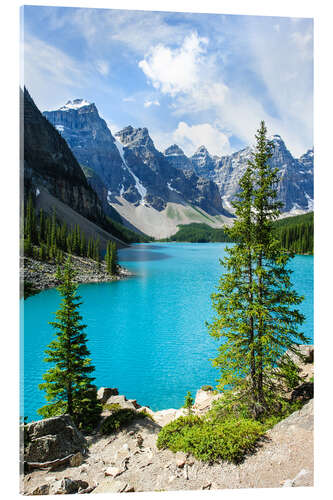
147 335
142 253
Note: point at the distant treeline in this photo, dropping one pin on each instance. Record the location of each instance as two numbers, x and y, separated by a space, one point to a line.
45 239
295 233
125 234
198 233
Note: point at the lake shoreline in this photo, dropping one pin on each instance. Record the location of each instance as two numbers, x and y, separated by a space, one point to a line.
37 276
172 280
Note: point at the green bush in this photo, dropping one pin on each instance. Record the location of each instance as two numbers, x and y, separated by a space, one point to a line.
188 403
289 372
120 419
145 414
111 406
207 388
209 440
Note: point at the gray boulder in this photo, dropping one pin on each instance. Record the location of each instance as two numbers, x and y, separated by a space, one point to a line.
52 439
123 402
68 486
104 393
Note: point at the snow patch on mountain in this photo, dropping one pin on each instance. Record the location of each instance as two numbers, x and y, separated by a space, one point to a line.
75 104
172 189
139 187
310 202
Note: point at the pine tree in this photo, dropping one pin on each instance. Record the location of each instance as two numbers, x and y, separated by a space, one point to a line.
188 403
255 305
53 242
41 226
30 229
108 257
68 384
83 245
113 258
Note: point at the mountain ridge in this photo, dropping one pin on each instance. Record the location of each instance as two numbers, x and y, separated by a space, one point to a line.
134 171
129 164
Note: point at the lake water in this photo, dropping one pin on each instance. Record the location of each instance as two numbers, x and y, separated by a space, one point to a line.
147 334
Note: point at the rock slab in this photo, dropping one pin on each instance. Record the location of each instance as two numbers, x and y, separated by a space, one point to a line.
52 438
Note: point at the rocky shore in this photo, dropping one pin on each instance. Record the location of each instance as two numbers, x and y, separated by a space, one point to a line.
38 276
60 460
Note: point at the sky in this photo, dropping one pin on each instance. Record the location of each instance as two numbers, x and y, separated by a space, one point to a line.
191 79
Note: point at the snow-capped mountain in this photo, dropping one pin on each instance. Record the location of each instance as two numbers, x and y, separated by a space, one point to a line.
130 168
129 164
295 188
50 165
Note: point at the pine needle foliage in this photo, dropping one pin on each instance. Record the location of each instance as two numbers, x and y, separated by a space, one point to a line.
68 383
256 306
111 257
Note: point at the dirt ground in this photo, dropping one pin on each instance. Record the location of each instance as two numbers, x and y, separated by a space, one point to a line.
130 461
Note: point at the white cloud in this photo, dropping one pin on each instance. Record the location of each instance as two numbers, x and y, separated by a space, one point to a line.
102 67
50 75
129 99
190 137
135 30
192 77
175 71
148 104
303 42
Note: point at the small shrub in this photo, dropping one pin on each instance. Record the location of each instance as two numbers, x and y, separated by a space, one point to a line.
188 402
207 388
289 372
111 406
119 419
210 441
145 414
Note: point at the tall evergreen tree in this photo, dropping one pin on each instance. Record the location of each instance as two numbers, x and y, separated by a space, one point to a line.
255 305
68 384
108 257
113 258
30 230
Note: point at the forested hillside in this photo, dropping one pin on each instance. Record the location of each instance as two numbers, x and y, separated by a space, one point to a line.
295 233
198 233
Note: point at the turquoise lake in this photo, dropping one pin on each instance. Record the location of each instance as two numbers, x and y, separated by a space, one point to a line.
146 334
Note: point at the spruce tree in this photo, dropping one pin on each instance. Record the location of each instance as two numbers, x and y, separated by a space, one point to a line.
68 383
30 230
113 258
255 305
41 226
108 257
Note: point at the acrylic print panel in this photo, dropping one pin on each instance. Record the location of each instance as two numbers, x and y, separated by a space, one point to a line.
167 251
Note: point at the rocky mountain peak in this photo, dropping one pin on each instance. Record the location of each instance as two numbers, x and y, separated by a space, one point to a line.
202 151
174 149
202 161
307 160
135 137
76 104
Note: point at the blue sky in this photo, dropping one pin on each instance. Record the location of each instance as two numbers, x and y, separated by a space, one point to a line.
191 79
